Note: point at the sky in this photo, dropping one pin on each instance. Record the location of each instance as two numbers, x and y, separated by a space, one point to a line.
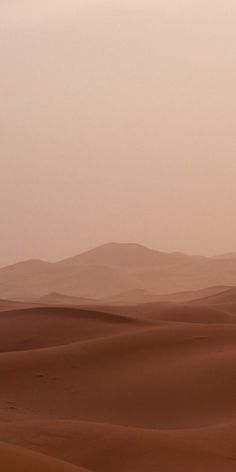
117 123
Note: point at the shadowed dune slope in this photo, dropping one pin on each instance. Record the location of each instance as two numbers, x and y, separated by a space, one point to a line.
47 326
15 459
102 448
9 305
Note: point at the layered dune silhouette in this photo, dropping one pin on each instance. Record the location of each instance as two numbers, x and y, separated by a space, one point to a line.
135 381
113 269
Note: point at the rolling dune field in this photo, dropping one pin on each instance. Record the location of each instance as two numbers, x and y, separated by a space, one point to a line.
142 388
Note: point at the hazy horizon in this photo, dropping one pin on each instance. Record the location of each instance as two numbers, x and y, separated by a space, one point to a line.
120 243
117 124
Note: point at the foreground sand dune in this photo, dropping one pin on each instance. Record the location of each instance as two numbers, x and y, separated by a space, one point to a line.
170 377
102 447
44 327
150 388
15 459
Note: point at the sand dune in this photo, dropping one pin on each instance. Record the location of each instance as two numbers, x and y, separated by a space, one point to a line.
108 447
146 387
134 297
14 459
130 379
34 328
197 311
227 296
9 305
60 299
185 313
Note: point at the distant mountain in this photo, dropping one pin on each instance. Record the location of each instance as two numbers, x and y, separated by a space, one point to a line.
132 296
229 255
60 299
124 255
143 296
113 269
29 266
223 298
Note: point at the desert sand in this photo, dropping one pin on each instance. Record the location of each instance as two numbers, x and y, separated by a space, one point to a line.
145 387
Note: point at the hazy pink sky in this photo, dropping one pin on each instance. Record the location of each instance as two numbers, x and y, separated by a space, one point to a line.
117 124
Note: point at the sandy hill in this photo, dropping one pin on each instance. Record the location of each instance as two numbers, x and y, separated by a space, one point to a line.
24 329
227 296
93 391
8 305
61 299
18 459
143 296
114 269
132 296
188 296
191 312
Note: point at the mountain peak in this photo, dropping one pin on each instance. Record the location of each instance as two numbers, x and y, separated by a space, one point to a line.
122 254
31 264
